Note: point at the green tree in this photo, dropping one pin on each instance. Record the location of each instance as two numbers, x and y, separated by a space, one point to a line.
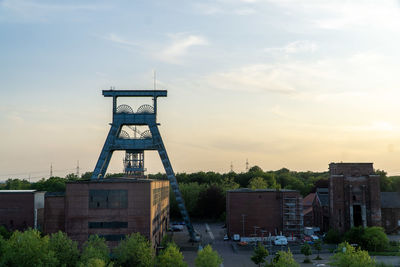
28 249
207 257
375 239
332 237
4 232
135 250
285 259
355 236
17 184
94 262
94 248
306 250
348 256
258 183
318 247
259 255
171 257
65 250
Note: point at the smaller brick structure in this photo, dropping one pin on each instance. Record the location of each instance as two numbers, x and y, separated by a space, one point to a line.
390 206
115 207
54 212
264 211
354 196
20 209
308 215
321 209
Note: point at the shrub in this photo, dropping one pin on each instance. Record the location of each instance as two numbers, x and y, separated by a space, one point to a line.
135 250
259 255
332 237
95 248
171 257
65 250
284 259
207 257
348 256
27 249
375 239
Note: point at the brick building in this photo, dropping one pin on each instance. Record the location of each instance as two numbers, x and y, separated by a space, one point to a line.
354 196
54 212
308 215
110 208
390 209
321 209
263 211
20 209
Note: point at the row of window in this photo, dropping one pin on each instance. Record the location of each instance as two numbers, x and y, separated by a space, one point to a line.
108 199
159 194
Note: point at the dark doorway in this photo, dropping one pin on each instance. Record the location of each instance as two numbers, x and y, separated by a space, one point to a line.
357 215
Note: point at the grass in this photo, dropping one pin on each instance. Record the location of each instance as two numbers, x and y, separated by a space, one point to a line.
383 253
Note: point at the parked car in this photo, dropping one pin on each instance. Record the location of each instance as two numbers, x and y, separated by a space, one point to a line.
176 227
280 240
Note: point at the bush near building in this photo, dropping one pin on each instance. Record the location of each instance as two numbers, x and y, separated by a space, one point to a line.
348 256
369 238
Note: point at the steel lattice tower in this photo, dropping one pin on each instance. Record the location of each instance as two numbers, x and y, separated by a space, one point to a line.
118 139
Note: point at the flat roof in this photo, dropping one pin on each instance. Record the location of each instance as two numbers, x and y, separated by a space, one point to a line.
17 191
115 180
248 190
142 93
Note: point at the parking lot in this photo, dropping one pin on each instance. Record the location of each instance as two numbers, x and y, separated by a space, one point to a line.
237 256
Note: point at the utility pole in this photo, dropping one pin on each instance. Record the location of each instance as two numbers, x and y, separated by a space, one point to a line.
231 166
77 169
243 215
51 170
247 165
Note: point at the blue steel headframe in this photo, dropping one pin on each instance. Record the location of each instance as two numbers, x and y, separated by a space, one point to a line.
154 142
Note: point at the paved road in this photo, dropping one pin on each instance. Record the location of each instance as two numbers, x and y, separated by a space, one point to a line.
213 233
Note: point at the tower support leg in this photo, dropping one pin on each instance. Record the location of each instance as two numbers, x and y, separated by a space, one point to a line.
172 179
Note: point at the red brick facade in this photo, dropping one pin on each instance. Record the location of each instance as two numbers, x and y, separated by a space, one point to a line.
354 196
260 212
116 207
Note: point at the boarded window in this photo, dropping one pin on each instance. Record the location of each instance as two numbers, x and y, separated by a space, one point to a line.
105 225
108 199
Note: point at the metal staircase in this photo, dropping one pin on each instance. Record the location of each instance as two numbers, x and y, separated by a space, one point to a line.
144 116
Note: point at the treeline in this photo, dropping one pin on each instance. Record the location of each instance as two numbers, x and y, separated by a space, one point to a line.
205 192
31 248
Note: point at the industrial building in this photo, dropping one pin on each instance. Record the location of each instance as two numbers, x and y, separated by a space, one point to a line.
110 208
20 209
354 196
262 212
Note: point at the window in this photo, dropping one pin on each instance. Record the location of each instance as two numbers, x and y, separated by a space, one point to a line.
112 237
108 199
104 225
160 194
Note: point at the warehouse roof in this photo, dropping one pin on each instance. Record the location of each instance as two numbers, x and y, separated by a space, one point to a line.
390 200
116 180
248 190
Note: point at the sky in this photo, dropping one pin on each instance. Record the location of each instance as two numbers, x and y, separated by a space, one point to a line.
294 84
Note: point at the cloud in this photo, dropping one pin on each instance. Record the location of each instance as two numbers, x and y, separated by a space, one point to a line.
119 40
179 47
253 78
294 47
